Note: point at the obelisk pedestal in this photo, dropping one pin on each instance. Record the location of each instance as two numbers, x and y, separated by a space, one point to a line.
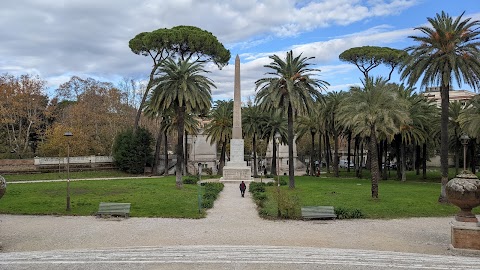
236 169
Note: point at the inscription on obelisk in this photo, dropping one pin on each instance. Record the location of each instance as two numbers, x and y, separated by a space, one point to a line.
236 168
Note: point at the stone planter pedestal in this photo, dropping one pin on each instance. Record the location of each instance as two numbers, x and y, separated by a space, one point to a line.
464 192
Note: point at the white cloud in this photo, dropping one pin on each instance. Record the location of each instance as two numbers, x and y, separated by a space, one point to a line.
57 39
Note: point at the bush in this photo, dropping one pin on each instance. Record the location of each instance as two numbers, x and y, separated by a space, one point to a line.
256 187
211 192
288 206
259 196
190 179
132 150
344 213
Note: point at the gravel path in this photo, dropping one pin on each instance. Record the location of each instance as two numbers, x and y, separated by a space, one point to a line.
232 222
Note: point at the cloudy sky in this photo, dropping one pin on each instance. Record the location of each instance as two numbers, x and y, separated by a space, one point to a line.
57 39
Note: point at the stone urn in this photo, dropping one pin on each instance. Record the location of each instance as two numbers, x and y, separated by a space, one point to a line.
3 186
464 192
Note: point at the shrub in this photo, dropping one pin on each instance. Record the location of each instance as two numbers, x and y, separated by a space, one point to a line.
256 187
211 192
190 179
132 150
288 205
344 213
260 196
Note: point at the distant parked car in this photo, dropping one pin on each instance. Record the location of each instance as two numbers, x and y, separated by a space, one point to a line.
344 164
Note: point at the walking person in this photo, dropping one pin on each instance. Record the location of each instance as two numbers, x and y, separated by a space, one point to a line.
243 187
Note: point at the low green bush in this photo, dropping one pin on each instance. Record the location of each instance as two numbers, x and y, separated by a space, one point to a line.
190 179
344 213
261 196
256 187
211 193
288 206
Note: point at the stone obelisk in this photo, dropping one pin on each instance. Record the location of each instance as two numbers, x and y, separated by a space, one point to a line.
236 169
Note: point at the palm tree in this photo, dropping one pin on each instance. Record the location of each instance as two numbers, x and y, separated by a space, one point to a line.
219 129
374 111
470 118
270 126
470 123
329 112
181 85
252 118
448 50
291 88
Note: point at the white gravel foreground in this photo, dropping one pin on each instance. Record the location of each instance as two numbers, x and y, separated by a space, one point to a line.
232 222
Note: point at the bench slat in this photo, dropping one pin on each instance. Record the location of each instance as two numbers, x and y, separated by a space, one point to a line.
311 212
121 209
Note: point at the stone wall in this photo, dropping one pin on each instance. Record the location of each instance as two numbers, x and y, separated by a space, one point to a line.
42 164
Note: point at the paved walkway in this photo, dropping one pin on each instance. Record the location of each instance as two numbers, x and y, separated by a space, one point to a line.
232 230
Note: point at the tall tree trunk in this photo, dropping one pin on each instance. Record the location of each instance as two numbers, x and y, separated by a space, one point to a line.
254 145
274 158
444 141
457 158
404 161
386 163
291 165
156 159
417 159
361 159
312 150
473 159
185 153
165 152
398 141
424 161
327 152
380 157
356 149
349 142
223 151
374 165
180 131
319 152
335 154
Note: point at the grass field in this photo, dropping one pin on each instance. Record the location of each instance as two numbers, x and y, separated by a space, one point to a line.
433 174
396 199
150 197
158 197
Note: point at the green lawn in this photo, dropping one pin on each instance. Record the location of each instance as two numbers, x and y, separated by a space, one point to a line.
396 199
433 174
63 175
150 197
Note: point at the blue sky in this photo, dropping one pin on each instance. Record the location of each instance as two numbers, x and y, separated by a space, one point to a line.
57 39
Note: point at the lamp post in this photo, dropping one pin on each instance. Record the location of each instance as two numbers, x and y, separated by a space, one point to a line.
464 139
277 141
313 130
68 134
199 188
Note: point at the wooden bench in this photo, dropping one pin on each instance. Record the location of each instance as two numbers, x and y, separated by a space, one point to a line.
318 212
114 209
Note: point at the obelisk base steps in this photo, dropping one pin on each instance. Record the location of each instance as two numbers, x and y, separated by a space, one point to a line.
236 169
